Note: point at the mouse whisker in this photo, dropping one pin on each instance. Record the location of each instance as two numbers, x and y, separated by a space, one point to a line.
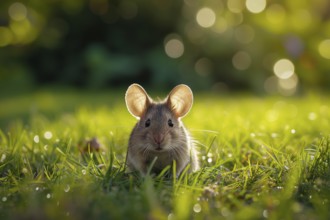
145 152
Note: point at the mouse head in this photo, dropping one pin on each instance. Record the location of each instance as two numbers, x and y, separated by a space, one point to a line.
159 122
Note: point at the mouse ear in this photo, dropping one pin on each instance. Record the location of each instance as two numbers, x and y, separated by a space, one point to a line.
180 100
137 100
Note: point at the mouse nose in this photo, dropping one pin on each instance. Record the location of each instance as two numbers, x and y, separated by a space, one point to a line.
158 138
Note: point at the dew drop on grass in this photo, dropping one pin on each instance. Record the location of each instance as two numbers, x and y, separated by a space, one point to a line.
230 155
3 157
197 208
4 199
170 216
83 172
36 139
265 213
48 196
209 160
48 135
312 116
274 135
272 115
253 135
37 188
46 147
24 170
293 131
225 212
67 188
100 166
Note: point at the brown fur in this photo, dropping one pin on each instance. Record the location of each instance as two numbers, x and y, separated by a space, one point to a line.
159 139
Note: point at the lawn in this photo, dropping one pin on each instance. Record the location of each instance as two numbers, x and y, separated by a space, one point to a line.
261 157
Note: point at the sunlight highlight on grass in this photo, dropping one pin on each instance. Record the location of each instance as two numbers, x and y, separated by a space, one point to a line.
261 157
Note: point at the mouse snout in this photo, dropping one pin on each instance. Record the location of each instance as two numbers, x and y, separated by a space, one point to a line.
158 138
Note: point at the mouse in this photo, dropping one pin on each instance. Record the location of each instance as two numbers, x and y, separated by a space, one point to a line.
159 138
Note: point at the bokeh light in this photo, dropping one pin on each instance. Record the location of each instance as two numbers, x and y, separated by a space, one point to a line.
193 32
294 46
234 19
17 11
204 66
235 6
23 31
48 135
36 139
288 86
244 34
301 15
271 85
205 17
324 49
173 46
99 7
241 60
233 35
6 36
289 83
276 15
129 9
255 6
221 25
283 68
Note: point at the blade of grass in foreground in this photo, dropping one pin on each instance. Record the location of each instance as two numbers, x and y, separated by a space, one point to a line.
260 161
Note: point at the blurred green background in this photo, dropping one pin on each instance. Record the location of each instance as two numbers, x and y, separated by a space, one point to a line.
265 47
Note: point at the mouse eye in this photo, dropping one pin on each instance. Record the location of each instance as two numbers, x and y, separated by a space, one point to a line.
147 123
170 123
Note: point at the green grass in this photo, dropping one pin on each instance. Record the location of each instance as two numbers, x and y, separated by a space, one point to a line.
261 158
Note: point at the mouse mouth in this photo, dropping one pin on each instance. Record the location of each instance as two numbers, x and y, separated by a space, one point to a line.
159 147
